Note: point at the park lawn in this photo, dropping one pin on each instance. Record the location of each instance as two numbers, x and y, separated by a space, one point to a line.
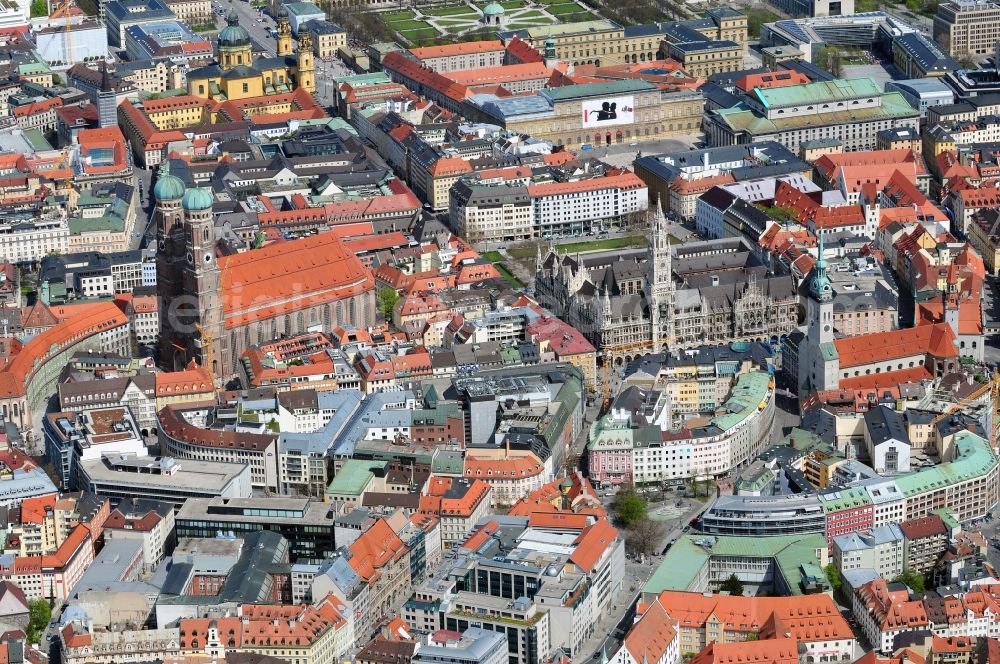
457 22
602 245
513 4
531 14
508 275
563 9
550 2
389 17
420 36
461 10
531 23
493 256
409 24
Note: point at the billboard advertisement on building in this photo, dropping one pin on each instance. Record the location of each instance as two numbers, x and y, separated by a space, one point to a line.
608 112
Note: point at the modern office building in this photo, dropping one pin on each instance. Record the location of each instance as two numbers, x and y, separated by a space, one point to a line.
756 516
120 14
306 524
922 93
124 476
967 27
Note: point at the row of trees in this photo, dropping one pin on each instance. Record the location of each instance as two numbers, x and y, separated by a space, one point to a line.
642 534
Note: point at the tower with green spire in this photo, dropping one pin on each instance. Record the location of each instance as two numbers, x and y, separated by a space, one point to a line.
550 48
818 364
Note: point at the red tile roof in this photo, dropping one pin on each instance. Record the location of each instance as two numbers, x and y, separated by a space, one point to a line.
459 48
769 651
290 276
88 321
937 340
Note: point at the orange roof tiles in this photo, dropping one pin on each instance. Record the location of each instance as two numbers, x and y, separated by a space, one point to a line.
624 181
88 321
592 543
886 379
776 79
804 617
195 380
937 340
651 635
499 469
460 48
892 609
376 547
499 75
289 276
769 651
33 510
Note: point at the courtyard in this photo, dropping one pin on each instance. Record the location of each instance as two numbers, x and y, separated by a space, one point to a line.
428 26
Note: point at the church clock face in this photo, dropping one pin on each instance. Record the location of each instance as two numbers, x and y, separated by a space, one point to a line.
826 328
208 258
190 257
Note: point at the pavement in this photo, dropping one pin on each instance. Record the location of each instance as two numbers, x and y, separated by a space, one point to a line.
251 20
623 154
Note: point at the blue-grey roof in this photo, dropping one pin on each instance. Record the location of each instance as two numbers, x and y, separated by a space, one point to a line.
695 46
342 574
374 411
920 85
135 11
776 158
646 29
927 54
507 107
344 404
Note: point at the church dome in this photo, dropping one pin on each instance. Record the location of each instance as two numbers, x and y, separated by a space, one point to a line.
168 187
233 34
493 9
198 199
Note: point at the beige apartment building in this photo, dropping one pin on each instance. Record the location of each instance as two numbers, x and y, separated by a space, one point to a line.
967 27
604 42
327 38
193 12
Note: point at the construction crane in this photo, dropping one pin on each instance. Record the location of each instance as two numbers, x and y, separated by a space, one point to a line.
206 348
993 388
609 353
68 16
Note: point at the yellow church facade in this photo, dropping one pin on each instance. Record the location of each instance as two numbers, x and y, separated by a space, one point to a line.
236 75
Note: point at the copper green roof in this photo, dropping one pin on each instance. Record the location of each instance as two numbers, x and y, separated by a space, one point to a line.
687 558
818 93
973 458
741 119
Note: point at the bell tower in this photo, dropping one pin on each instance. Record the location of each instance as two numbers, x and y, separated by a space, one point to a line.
169 215
202 282
305 70
660 286
284 33
818 371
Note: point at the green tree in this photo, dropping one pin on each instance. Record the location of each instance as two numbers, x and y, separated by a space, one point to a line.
833 576
779 213
629 507
40 613
732 585
913 580
39 8
387 299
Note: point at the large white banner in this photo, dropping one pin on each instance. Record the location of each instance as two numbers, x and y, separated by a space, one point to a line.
608 112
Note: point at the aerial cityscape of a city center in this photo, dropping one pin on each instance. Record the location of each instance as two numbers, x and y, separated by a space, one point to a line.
499 332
